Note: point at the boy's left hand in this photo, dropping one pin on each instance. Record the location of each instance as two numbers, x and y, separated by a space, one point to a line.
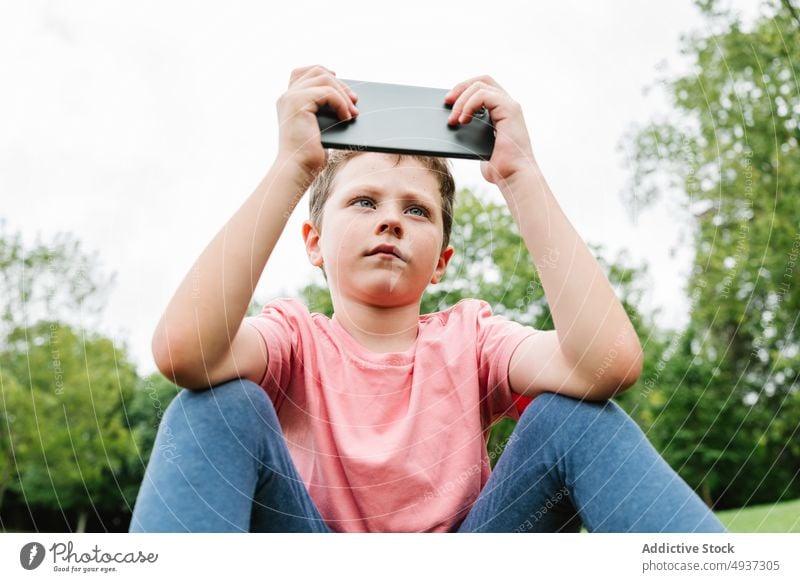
512 147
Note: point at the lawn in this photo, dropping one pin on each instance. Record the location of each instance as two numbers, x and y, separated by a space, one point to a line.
773 517
770 518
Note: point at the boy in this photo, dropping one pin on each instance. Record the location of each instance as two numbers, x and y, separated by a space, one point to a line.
376 419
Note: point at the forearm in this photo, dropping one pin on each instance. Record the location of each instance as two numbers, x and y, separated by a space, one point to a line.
206 311
593 329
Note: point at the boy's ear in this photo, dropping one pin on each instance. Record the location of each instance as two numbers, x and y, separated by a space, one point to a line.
311 237
444 258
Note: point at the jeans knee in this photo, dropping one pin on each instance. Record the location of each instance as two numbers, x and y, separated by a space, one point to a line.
551 413
239 405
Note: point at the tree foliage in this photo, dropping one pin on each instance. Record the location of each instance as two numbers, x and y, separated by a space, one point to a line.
68 428
729 151
57 281
65 436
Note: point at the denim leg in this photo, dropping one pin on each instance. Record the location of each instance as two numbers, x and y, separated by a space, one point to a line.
220 464
571 461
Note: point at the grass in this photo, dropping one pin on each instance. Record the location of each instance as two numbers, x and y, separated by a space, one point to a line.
772 517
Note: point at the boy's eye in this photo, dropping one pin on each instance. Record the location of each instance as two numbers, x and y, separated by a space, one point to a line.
422 210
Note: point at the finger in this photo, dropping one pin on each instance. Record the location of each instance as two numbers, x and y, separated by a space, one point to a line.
313 71
303 71
483 97
327 95
452 95
312 75
352 94
322 75
456 91
323 72
458 106
325 79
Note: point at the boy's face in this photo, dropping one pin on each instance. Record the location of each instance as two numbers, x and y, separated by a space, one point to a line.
373 202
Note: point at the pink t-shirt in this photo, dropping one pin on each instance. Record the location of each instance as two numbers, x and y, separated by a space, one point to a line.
392 442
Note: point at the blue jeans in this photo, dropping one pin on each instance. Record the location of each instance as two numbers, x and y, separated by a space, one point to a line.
220 464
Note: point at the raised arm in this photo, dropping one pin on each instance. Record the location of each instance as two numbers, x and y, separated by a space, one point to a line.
194 341
594 352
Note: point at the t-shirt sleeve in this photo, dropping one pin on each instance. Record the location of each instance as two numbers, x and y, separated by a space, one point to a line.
279 325
497 338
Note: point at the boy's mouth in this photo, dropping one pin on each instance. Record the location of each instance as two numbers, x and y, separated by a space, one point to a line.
386 251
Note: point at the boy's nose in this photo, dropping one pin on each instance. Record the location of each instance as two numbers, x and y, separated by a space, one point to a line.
390 220
390 224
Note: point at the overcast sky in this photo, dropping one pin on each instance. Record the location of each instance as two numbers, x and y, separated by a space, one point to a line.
142 126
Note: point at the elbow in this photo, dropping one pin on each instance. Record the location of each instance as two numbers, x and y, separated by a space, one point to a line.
629 371
167 359
163 357
636 365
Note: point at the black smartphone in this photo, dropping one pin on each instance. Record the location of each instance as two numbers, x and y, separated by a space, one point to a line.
405 119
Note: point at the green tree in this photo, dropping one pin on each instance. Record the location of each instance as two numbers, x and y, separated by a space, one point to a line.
64 436
67 428
56 280
729 151
15 424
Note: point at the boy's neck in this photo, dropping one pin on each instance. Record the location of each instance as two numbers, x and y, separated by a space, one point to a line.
379 329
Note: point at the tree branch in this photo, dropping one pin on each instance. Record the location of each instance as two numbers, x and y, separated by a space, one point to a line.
791 10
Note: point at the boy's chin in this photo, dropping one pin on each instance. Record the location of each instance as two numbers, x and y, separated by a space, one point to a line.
388 291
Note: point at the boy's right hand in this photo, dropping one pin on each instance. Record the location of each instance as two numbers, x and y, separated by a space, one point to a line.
309 89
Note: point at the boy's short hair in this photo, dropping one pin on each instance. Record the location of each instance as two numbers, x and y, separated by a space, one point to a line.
320 188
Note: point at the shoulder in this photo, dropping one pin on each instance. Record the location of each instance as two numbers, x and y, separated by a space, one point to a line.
286 320
286 311
287 305
468 310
